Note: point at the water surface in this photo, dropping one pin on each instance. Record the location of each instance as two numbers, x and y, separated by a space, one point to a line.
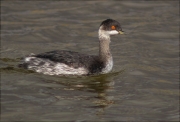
144 83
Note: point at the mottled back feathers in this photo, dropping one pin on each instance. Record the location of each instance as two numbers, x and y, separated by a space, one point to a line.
74 59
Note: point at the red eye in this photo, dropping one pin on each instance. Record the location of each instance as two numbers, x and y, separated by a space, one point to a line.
113 27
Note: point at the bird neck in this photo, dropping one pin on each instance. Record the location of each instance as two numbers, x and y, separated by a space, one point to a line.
104 50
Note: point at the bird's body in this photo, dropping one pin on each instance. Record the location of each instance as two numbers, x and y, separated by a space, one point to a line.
61 62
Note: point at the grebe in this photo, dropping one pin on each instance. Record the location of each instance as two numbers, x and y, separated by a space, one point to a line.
61 62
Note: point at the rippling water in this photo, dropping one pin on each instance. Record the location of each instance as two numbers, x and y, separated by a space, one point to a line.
144 83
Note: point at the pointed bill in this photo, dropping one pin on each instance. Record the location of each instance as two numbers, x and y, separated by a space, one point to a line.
121 32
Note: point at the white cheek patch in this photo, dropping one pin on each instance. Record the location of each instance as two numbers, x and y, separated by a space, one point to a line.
113 32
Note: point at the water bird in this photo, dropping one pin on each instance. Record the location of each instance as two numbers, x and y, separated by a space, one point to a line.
62 62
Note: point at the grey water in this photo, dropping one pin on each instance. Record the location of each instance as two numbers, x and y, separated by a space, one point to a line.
144 82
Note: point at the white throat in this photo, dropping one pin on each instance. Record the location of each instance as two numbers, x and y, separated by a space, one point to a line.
103 35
